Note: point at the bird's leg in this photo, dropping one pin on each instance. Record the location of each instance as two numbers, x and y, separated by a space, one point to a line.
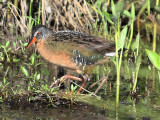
85 80
65 77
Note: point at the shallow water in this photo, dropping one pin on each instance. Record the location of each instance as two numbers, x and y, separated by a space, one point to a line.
143 105
81 112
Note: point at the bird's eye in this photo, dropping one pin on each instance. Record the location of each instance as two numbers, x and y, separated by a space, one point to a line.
39 33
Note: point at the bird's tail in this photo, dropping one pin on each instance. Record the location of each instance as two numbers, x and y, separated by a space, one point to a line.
113 54
110 54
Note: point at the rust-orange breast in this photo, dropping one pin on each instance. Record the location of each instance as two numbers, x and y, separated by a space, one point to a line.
58 57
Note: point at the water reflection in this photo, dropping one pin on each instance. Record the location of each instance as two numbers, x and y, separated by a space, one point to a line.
142 105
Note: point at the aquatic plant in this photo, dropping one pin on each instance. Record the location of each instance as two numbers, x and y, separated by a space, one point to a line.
154 58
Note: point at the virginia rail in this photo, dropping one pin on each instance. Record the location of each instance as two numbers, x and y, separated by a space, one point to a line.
70 49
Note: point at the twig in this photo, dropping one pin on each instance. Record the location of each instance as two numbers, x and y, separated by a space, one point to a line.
99 87
86 90
95 83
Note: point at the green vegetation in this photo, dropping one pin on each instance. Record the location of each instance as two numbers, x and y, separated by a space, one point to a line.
154 58
128 23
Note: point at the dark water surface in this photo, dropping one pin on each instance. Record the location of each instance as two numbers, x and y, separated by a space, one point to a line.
143 105
59 113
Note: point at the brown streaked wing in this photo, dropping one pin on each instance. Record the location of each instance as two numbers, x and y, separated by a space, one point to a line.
87 44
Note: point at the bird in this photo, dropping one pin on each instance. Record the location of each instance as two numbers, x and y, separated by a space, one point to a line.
74 50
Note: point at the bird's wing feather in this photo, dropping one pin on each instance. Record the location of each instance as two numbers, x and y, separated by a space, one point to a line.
82 40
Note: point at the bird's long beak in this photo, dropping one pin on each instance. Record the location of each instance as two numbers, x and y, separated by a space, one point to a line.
31 42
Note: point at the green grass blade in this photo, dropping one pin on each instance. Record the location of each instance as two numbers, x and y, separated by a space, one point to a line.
154 58
122 38
24 70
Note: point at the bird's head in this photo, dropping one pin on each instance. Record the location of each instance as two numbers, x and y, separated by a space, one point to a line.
39 33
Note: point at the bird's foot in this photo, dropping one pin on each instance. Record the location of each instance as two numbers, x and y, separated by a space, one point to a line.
59 81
